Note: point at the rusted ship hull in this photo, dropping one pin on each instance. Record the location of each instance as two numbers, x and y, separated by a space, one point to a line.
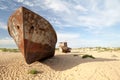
34 35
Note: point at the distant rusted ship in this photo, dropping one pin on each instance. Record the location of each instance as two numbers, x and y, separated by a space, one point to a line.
34 35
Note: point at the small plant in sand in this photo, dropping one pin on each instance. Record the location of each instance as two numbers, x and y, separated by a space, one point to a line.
33 71
88 56
9 50
3 49
56 48
117 49
75 55
107 49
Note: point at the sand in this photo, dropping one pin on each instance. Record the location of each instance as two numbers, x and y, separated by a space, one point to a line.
62 66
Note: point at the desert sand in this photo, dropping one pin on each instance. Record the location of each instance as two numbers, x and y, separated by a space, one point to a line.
63 66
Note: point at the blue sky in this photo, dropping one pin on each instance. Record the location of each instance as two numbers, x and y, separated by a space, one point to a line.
82 23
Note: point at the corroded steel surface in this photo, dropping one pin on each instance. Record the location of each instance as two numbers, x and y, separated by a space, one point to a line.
33 34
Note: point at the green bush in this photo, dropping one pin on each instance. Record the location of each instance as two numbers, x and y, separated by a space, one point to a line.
75 55
86 56
33 71
4 49
9 50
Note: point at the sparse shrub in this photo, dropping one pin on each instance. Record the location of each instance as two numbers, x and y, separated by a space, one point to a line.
117 49
56 48
75 55
98 48
9 50
114 56
14 50
86 56
4 49
106 49
33 71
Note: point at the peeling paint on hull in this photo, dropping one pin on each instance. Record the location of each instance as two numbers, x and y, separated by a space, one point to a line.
34 35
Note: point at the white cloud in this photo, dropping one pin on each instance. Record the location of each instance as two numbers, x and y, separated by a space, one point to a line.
7 42
20 0
99 18
3 25
67 36
57 5
80 8
75 41
28 3
3 7
93 13
93 16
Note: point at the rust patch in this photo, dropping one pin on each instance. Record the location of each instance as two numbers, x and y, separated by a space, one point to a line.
35 51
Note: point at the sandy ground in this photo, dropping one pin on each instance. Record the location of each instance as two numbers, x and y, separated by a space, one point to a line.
62 66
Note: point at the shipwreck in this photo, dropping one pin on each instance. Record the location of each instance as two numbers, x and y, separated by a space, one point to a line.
33 34
63 47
